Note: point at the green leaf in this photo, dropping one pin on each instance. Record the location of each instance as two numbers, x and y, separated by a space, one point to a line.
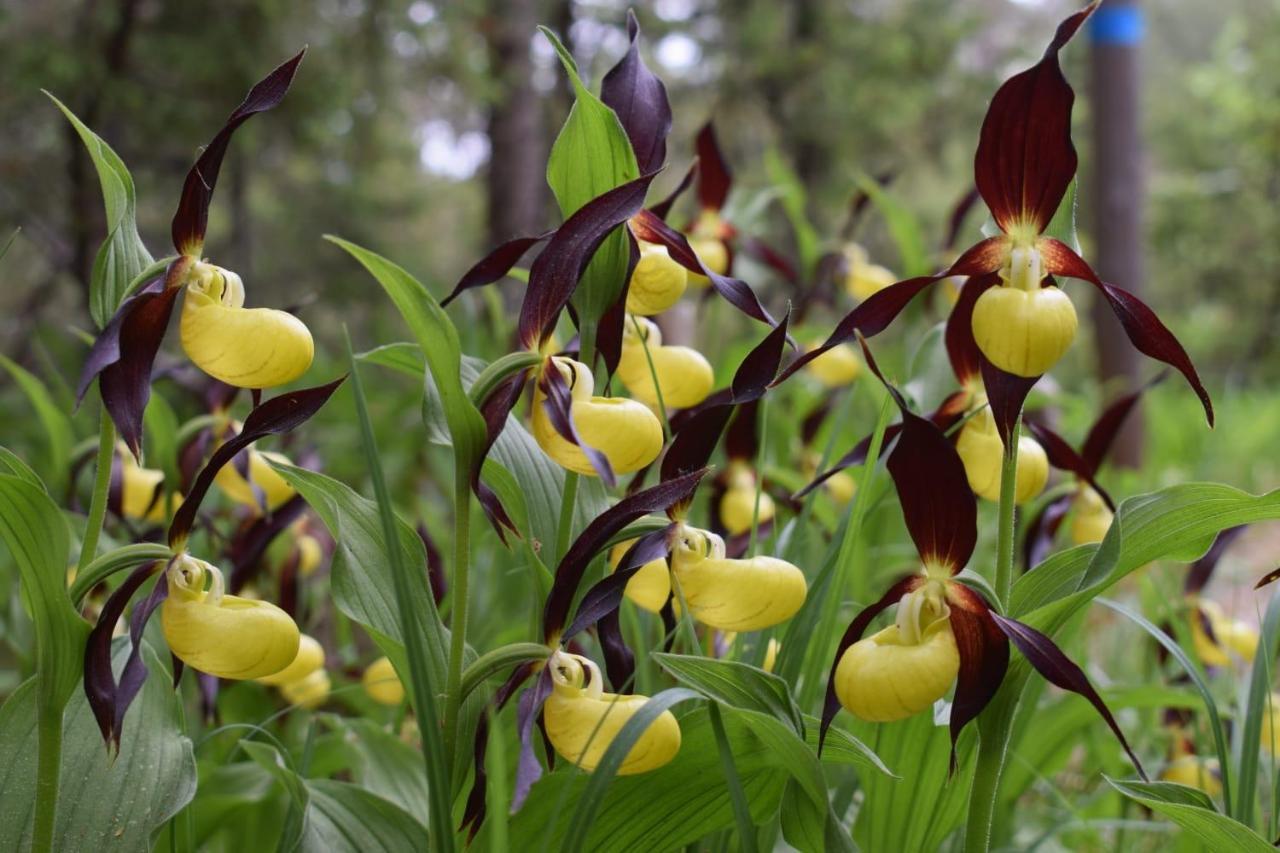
122 255
903 227
36 533
106 802
403 356
345 817
790 750
1258 707
438 340
388 767
737 685
500 661
1193 811
20 469
794 202
55 423
811 828
590 156
665 809
115 560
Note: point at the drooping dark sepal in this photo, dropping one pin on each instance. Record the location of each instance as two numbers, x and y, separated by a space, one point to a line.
1201 571
958 215
939 507
554 276
639 99
278 415
1144 329
859 625
528 710
192 216
1097 444
1006 394
559 407
108 699
1063 457
493 266
612 326
984 657
742 440
962 349
494 409
663 208
714 178
474 813
1059 670
606 596
592 540
248 545
1025 160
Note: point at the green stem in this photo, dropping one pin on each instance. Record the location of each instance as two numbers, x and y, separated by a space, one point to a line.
653 375
458 618
741 811
101 486
1008 513
995 731
763 423
567 501
49 763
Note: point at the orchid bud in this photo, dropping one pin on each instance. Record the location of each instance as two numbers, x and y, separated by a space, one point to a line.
139 488
735 595
1091 518
625 431
275 490
835 368
310 658
1229 636
245 347
650 586
223 635
382 684
738 505
657 282
310 691
1021 327
903 669
582 720
1195 772
685 378
982 452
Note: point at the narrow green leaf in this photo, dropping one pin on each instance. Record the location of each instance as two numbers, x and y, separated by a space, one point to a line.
735 684
903 227
20 469
500 660
737 796
55 423
1257 708
1192 810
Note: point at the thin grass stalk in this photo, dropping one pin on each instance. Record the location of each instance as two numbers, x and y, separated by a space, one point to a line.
737 797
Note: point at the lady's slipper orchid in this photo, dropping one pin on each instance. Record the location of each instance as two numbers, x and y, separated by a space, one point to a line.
137 492
223 635
581 720
310 692
734 595
263 488
1090 516
626 434
1024 165
1203 774
244 347
738 508
382 684
310 657
650 587
835 368
685 377
944 630
657 282
863 279
982 452
1217 637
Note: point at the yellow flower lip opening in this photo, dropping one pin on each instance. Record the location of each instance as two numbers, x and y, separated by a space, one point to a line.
381 683
582 720
733 594
245 347
657 282
1021 327
904 668
685 377
625 431
223 635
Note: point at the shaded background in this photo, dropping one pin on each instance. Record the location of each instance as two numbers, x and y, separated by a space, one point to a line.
421 130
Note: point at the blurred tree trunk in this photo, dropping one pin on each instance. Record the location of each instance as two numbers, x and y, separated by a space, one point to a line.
517 149
1118 194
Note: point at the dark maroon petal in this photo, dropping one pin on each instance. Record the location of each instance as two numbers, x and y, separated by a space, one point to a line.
755 248
984 658
1269 578
559 407
663 208
742 441
192 217
648 227
435 564
1038 539
813 421
612 326
714 177
247 547
831 705
937 503
1064 458
606 596
1104 430
1006 394
555 274
278 415
99 679
134 672
1144 329
962 349
1201 571
639 98
1025 159
958 215
695 441
735 547
856 456
208 686
493 266
592 540
757 371
474 813
528 770
619 661
106 347
494 409
1060 671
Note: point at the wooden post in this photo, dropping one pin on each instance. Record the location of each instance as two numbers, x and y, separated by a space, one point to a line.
1118 198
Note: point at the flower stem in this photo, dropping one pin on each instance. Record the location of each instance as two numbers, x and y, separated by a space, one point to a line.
1004 542
458 617
567 502
101 486
49 763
